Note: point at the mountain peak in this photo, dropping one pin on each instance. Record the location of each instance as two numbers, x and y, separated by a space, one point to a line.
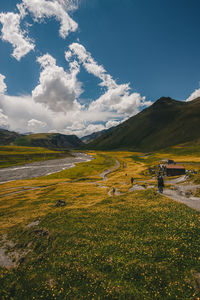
166 101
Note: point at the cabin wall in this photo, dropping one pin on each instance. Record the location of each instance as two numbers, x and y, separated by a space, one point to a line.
175 172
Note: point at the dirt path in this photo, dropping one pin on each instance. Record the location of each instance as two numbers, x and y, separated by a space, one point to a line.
104 177
177 180
181 191
193 202
43 168
104 174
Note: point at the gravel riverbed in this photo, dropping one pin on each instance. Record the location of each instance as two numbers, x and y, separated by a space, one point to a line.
42 168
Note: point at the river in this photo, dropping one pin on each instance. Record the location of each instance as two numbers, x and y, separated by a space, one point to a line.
42 168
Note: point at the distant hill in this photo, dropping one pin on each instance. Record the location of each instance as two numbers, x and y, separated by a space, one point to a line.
50 140
165 123
7 137
46 140
89 138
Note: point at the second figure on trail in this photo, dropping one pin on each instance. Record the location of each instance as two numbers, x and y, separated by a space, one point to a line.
132 180
113 190
160 183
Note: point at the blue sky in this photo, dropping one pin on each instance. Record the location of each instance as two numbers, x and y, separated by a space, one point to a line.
121 57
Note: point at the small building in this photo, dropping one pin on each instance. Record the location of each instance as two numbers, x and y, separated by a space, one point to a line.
174 170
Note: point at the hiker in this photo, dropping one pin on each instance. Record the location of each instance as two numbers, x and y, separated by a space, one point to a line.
160 183
132 180
113 190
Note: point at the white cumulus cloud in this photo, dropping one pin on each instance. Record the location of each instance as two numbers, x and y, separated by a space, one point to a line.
112 123
3 120
118 97
39 9
85 129
53 8
12 33
194 95
57 89
24 114
36 125
120 100
91 65
69 4
3 86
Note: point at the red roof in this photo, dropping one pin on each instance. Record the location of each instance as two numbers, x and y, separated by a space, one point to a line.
173 166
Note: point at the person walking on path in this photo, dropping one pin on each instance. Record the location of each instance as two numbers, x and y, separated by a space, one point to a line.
132 180
113 190
160 181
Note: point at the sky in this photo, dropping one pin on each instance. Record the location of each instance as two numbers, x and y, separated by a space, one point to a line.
80 66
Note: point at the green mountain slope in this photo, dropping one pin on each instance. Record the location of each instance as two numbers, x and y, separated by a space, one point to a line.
165 123
7 137
49 140
46 140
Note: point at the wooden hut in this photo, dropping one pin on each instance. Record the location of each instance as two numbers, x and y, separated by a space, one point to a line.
174 170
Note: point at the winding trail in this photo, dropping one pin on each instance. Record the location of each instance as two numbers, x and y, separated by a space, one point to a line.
104 177
104 174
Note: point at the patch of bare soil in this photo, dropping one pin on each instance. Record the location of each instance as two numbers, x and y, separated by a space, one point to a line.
136 187
34 223
196 281
9 256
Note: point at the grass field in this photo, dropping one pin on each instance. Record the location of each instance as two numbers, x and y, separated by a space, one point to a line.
138 245
17 155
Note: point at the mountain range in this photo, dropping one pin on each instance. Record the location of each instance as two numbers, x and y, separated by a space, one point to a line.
8 137
46 140
165 123
91 137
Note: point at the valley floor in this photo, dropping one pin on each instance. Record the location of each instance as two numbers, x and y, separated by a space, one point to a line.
87 232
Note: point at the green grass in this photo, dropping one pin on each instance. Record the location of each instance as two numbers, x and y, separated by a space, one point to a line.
191 148
138 245
137 157
132 247
16 155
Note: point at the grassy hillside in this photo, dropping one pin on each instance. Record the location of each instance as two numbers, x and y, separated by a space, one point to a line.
15 155
7 137
185 149
138 245
166 123
49 140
